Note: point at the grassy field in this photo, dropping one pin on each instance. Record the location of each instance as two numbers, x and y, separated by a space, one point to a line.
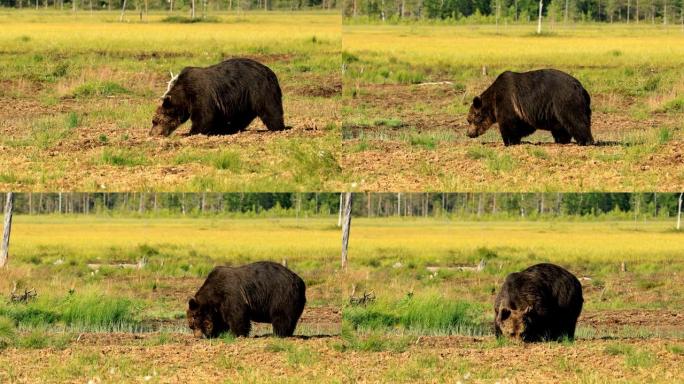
112 294
79 92
407 90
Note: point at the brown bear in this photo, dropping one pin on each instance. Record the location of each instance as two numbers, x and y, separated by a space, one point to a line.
232 297
220 99
521 103
540 303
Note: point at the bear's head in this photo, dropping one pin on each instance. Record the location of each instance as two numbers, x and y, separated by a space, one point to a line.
168 116
480 118
199 319
513 322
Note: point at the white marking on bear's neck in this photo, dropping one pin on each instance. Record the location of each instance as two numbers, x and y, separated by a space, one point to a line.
170 84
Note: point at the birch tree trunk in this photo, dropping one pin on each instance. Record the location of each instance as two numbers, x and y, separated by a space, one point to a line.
123 11
6 229
346 226
339 217
539 20
679 211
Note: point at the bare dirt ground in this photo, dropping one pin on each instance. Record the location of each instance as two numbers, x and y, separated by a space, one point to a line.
627 155
452 359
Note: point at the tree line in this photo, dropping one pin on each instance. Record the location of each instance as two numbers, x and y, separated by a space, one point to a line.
516 205
513 11
175 204
464 205
171 5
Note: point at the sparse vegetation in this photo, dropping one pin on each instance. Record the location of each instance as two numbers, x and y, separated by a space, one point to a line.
81 89
635 89
432 297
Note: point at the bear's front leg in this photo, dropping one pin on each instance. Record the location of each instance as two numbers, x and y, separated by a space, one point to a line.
509 135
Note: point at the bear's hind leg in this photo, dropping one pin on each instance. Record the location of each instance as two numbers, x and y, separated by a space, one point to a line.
272 118
578 127
584 138
283 326
241 122
561 136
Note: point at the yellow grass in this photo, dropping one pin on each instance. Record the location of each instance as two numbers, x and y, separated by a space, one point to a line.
58 31
517 46
267 239
432 240
442 241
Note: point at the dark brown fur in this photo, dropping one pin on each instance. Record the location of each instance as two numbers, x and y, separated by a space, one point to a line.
540 303
221 99
231 298
521 103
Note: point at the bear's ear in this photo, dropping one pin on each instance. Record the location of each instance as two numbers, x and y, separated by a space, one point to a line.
193 304
477 102
527 310
166 102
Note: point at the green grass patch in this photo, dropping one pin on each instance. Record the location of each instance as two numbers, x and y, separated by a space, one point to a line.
97 311
99 88
371 342
539 153
640 359
389 122
675 105
47 131
494 161
664 135
309 165
12 178
39 339
226 160
676 349
425 141
296 355
88 312
189 20
122 157
425 313
633 357
72 120
7 332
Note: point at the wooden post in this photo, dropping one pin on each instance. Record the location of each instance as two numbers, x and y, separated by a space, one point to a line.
6 229
346 226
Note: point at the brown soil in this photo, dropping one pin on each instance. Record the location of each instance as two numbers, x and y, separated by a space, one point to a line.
650 319
116 358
